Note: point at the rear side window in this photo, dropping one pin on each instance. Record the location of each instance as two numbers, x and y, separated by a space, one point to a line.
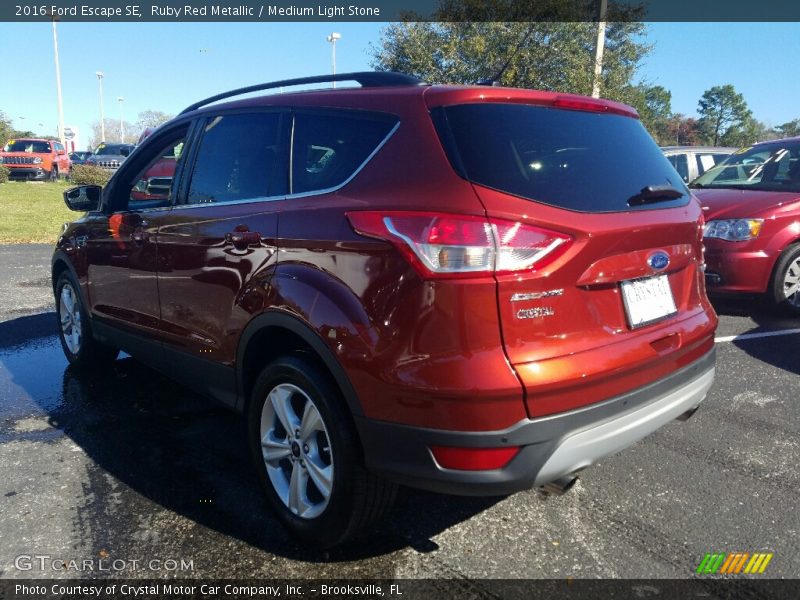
576 160
681 165
329 148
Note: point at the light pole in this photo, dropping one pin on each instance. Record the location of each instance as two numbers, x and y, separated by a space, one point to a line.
120 99
598 51
332 38
58 85
102 117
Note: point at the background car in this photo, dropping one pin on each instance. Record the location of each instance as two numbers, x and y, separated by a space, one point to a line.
110 156
751 203
35 159
79 157
692 161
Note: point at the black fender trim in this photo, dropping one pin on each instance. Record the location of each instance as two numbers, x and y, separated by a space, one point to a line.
298 327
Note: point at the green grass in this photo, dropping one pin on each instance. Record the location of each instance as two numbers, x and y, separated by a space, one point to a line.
32 212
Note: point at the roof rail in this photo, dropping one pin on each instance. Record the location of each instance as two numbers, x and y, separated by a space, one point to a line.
365 78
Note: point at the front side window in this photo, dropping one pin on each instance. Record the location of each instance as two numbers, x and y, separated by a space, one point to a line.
239 158
768 167
329 148
154 184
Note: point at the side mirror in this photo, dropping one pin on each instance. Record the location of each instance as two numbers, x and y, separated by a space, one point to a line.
83 198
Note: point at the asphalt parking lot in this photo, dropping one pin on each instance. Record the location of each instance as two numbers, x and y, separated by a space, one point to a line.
127 465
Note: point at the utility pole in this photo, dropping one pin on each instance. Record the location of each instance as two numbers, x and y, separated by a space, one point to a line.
598 54
120 99
102 117
58 86
332 38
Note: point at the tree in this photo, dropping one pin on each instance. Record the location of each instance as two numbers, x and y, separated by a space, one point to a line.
151 118
113 133
723 112
790 129
653 102
682 130
542 54
6 130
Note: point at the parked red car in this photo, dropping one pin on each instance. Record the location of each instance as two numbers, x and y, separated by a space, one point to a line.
751 203
471 290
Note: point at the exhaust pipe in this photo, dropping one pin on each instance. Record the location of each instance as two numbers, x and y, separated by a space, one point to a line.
687 415
560 486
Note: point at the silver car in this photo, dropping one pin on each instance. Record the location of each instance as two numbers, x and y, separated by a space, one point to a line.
110 156
692 161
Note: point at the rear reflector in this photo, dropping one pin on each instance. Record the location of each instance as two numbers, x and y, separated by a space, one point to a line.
445 245
473 459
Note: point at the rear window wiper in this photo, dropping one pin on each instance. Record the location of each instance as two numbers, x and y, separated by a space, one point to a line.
654 193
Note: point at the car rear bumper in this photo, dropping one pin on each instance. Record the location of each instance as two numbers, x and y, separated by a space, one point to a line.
550 447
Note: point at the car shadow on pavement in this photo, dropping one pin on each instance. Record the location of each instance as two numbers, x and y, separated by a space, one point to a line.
171 447
782 351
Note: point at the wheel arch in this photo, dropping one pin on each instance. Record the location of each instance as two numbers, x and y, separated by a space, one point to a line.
276 333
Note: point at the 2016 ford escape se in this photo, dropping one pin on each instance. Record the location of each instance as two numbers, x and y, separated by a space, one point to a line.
472 290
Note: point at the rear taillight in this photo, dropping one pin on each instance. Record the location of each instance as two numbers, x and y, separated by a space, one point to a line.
446 245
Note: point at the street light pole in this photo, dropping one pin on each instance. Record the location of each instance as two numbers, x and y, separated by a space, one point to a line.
332 38
102 117
120 99
598 54
58 86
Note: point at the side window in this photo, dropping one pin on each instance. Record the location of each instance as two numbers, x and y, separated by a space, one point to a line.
329 148
239 158
681 164
705 162
153 185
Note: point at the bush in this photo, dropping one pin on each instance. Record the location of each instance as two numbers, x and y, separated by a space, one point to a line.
89 175
4 173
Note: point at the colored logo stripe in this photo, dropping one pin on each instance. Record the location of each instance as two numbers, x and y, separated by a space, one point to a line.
734 562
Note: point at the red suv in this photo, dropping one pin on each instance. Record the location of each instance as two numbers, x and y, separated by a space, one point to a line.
472 290
35 159
752 205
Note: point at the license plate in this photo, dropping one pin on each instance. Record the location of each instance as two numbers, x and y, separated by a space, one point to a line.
647 300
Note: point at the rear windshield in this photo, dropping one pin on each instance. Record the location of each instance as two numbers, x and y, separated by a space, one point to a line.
773 167
580 161
31 146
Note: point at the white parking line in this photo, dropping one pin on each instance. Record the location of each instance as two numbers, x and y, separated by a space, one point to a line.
750 336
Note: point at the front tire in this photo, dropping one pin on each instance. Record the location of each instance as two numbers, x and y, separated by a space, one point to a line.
785 284
306 454
54 174
75 334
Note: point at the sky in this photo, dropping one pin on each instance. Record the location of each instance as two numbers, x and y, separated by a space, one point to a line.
167 66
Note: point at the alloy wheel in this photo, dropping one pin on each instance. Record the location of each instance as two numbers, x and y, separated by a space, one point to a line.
791 283
296 450
70 314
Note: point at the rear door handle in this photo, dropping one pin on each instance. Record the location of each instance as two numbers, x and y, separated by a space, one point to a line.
243 239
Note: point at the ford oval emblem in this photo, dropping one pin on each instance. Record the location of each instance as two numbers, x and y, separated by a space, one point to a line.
658 261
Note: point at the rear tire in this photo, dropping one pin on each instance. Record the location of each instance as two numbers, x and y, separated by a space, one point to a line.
306 454
785 284
75 333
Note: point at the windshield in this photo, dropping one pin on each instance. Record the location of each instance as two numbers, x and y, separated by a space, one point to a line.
581 161
31 146
770 167
114 149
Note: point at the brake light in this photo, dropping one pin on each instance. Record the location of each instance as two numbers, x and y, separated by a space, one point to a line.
473 459
579 104
446 245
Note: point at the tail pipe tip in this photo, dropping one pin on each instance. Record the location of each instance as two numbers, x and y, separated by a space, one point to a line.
560 486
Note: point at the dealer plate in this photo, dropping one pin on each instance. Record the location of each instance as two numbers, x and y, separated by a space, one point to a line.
647 300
